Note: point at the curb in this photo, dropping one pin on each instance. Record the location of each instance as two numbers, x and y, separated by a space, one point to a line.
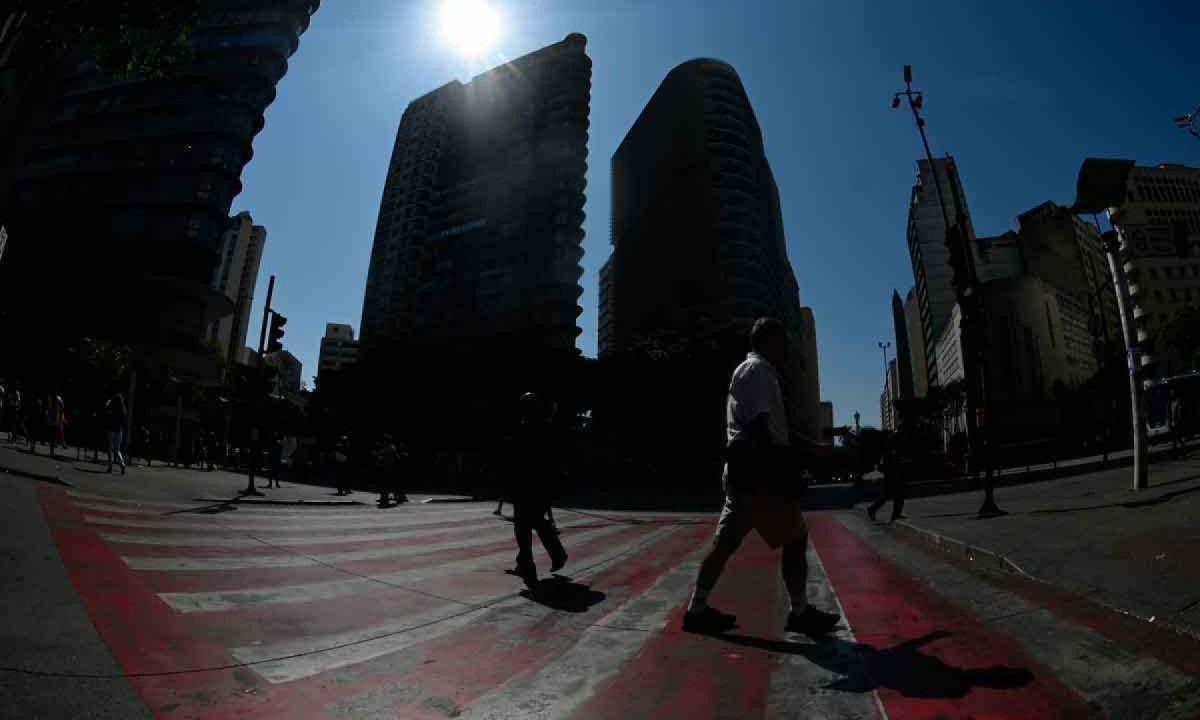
252 501
996 561
951 546
427 501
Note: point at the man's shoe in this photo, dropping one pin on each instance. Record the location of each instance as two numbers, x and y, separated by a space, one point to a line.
527 573
812 621
558 560
707 621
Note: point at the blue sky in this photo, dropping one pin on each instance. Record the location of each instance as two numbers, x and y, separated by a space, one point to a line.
1018 92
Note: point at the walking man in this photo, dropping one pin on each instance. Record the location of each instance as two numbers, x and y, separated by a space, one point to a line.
114 411
895 474
1176 422
387 460
761 488
532 472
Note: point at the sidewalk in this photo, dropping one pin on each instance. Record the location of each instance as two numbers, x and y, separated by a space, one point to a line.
1137 551
163 483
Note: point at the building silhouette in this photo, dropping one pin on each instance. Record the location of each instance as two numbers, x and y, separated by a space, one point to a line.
1161 283
481 222
338 349
698 246
125 190
236 276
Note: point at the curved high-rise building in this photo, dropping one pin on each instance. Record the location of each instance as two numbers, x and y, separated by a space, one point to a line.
481 222
126 189
697 231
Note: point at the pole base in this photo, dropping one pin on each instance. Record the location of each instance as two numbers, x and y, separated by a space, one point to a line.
251 491
989 509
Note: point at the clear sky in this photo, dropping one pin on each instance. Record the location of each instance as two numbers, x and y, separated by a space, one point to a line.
1018 92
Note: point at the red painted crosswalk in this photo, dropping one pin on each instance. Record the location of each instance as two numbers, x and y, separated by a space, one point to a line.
357 612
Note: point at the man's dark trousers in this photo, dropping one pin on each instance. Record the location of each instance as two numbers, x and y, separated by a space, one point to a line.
530 515
893 489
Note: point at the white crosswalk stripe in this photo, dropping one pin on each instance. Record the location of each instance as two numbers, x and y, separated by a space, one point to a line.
246 562
312 592
308 656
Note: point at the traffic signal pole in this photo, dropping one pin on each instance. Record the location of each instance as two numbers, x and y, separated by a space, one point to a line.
262 338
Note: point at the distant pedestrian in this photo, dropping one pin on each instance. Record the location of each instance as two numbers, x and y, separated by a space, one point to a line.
275 460
532 472
1177 425
761 488
35 420
387 463
895 466
114 413
60 421
15 413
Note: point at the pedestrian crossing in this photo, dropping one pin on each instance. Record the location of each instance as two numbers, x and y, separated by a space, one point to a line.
283 612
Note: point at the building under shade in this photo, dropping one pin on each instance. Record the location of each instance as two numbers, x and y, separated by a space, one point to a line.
480 226
125 191
698 248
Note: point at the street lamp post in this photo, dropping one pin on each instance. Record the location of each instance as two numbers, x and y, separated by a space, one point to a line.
971 321
1101 185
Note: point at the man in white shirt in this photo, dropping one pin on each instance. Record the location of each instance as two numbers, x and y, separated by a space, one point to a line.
758 436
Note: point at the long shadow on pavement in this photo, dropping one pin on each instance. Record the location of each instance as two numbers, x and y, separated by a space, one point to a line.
903 668
560 592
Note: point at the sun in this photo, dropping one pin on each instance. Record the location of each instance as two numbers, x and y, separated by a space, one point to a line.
470 27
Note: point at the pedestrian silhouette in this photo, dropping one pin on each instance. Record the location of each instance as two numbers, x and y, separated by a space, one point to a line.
532 471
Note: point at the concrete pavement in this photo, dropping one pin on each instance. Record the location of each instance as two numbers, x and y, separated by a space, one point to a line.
1138 551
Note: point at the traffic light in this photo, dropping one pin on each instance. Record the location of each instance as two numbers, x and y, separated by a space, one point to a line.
1179 236
275 334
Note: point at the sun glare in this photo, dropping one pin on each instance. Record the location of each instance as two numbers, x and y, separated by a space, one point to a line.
470 27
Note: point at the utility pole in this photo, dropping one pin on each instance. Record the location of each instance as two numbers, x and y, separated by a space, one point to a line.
962 262
262 338
1101 186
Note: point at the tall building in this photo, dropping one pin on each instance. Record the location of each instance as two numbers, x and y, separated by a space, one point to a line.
1066 253
916 344
1160 282
604 328
481 223
236 276
826 429
888 398
289 368
126 187
806 413
903 355
697 231
338 349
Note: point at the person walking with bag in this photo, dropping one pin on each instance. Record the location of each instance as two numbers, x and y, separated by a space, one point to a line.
114 411
532 472
762 484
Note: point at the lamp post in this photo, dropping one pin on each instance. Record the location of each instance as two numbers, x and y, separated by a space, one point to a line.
857 452
962 264
1101 186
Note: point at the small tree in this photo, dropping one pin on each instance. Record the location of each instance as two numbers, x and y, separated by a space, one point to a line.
1182 335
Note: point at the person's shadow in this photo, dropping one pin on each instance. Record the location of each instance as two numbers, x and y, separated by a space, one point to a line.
559 592
903 668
